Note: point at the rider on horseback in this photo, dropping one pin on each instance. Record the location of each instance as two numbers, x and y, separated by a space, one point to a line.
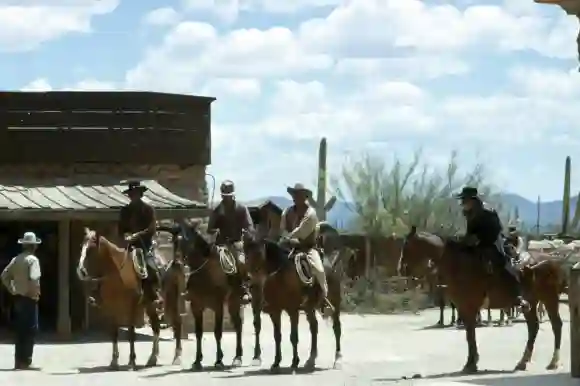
231 219
299 227
137 226
484 231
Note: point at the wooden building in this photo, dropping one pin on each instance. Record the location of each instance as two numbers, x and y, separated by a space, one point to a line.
62 155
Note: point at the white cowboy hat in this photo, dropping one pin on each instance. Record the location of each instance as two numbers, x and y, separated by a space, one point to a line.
29 238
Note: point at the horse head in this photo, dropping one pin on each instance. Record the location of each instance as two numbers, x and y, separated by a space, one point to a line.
419 252
188 241
91 242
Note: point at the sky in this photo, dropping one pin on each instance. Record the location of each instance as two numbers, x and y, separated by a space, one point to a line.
496 80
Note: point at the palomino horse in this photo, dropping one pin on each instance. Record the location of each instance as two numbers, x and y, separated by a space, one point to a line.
122 297
208 287
470 283
284 290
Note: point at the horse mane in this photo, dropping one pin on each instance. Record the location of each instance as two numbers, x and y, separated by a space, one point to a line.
103 240
275 254
200 242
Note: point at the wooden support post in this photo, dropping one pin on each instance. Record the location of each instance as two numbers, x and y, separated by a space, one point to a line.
368 257
63 318
574 305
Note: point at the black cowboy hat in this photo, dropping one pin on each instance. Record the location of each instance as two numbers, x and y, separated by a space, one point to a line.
467 192
292 190
227 188
133 186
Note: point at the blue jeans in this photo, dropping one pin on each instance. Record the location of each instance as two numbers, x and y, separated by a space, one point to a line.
25 319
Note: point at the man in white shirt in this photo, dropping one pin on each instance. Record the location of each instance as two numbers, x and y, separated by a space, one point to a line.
299 224
22 278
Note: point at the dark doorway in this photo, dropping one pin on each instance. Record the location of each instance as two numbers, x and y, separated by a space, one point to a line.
47 253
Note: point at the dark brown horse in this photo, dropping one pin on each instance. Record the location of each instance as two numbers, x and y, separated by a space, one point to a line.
208 287
123 302
283 290
470 284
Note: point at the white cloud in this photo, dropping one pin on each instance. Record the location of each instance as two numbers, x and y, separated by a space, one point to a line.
164 16
40 84
31 23
246 88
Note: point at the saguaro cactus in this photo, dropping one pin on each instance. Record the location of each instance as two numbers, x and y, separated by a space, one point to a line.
319 203
566 198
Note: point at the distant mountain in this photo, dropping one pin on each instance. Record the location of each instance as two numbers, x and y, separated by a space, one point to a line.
342 215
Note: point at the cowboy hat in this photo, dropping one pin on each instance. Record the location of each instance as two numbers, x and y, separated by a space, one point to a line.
299 188
467 192
227 188
134 185
29 238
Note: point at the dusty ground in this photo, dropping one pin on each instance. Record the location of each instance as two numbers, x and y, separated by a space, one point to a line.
377 350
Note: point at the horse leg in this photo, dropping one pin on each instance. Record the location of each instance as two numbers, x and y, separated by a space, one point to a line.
132 353
453 314
217 333
198 320
313 323
156 327
441 321
276 317
533 328
235 310
257 314
502 317
294 338
489 321
470 322
337 328
553 309
541 311
115 357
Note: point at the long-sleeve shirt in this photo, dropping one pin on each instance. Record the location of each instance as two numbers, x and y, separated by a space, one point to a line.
140 218
22 275
230 221
485 225
303 229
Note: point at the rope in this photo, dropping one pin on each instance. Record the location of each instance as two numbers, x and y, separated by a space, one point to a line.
228 264
301 275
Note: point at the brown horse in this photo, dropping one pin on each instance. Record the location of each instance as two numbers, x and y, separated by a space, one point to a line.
470 284
283 290
208 287
123 301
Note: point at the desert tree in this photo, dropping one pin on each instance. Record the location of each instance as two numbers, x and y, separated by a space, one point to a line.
388 197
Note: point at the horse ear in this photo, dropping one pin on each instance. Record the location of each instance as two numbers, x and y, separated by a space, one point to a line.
413 230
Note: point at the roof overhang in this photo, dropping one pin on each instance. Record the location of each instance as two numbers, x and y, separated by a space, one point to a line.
88 202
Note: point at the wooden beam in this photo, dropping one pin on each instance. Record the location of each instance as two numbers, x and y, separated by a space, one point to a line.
101 101
106 146
48 120
92 215
63 314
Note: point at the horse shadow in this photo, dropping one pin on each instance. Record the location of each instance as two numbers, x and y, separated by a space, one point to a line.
553 379
454 374
206 369
269 372
101 369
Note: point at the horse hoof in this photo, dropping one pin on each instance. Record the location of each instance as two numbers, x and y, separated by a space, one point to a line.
275 368
219 365
522 366
295 363
176 361
309 365
257 362
552 366
151 362
114 366
237 362
197 366
469 369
